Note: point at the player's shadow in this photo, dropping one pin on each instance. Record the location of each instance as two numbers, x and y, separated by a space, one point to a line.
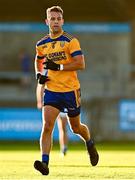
69 165
98 166
118 166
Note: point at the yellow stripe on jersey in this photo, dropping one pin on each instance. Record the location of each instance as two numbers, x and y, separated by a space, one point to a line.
68 35
78 97
61 50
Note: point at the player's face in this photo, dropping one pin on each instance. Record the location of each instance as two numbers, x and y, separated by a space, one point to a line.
55 21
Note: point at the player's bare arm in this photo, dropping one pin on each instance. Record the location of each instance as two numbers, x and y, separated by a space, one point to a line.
78 63
40 75
40 86
38 65
39 95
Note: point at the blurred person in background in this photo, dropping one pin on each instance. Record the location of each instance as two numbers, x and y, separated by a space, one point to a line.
61 55
25 64
62 121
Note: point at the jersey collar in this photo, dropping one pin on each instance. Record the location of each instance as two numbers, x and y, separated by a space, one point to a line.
56 36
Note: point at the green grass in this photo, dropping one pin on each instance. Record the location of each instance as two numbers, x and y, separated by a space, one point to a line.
117 161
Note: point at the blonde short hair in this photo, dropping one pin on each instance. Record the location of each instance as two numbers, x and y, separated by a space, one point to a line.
54 9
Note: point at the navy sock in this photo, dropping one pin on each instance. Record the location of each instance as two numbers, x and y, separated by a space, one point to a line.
64 149
90 143
45 158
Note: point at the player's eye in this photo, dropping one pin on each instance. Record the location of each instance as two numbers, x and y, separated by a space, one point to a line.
52 18
59 18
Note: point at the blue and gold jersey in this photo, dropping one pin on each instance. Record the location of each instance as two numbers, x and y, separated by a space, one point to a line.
61 50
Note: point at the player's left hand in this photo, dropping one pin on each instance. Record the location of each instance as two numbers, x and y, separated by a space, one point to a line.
51 65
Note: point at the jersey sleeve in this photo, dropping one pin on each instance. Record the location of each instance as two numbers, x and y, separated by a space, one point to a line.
74 47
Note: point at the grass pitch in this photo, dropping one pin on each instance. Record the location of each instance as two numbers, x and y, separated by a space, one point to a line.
117 161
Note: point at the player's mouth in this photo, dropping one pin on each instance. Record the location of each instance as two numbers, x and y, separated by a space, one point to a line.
56 26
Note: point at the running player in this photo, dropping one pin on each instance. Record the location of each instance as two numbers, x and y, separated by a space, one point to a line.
62 57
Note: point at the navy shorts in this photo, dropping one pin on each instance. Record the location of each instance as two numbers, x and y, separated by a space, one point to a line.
68 102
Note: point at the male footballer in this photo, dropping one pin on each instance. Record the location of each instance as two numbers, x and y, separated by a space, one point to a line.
62 56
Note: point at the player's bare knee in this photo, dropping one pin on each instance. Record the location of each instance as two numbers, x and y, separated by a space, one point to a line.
47 128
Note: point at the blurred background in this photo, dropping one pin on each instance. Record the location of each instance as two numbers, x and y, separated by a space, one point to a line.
106 30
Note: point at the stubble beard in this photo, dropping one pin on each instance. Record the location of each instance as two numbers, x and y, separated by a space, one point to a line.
56 31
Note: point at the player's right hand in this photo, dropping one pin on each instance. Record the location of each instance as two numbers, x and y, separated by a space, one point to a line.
42 79
38 75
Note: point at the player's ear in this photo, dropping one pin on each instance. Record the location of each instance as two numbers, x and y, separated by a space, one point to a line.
46 21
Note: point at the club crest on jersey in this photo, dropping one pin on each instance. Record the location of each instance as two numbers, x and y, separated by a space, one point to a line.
53 44
62 43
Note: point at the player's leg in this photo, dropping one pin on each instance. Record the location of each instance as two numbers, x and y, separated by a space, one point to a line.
63 139
49 115
83 131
